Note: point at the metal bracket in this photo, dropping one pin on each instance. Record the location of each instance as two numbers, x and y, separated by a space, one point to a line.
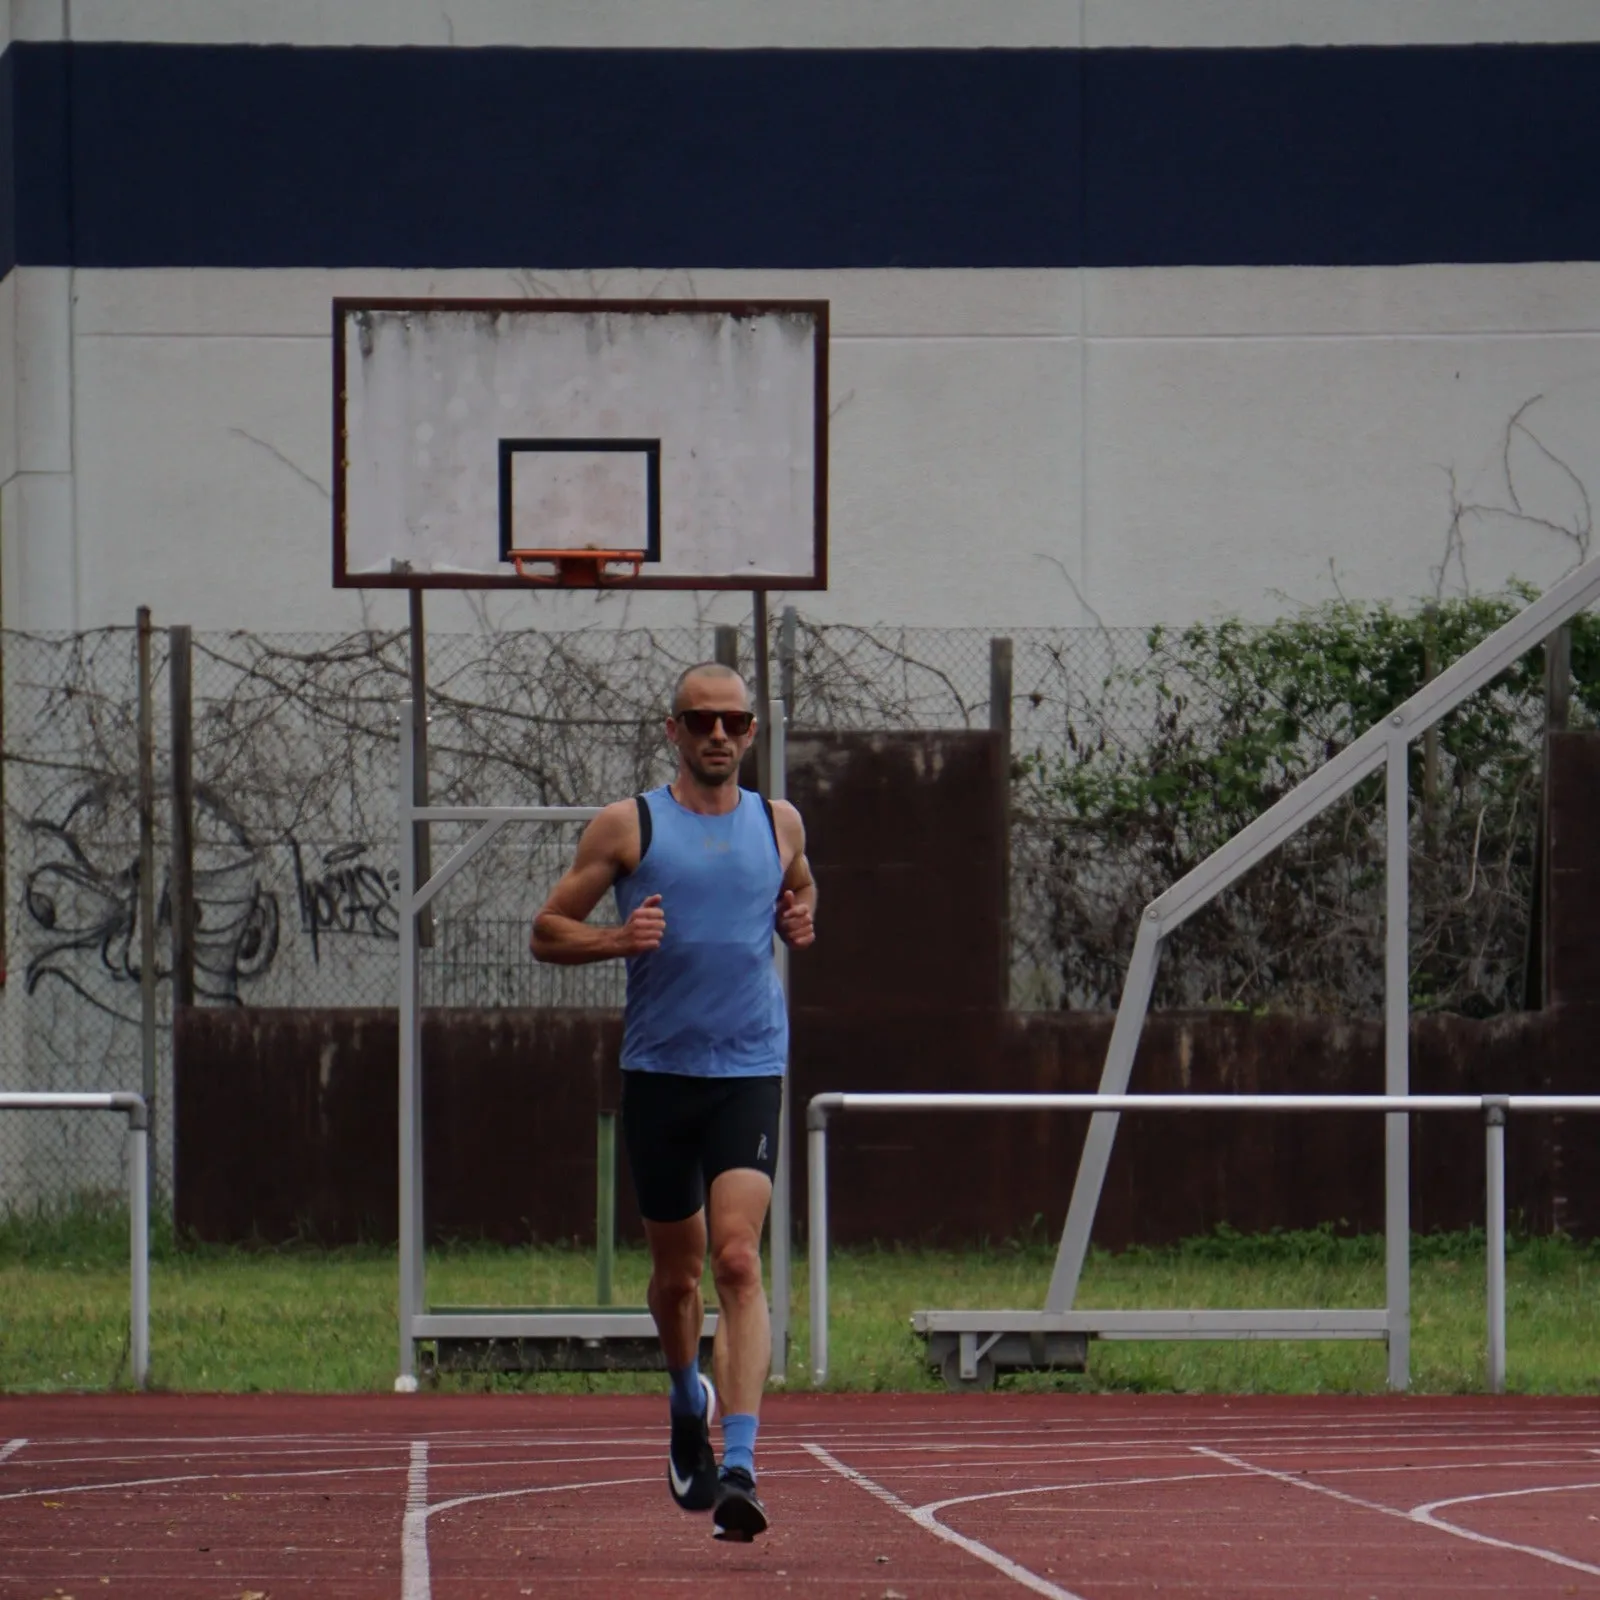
971 1352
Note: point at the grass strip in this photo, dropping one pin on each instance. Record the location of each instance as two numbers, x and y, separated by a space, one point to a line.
307 1319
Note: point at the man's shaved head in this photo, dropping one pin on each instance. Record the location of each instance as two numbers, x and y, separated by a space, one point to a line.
713 670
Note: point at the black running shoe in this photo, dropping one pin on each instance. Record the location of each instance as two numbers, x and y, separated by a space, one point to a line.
691 1462
739 1516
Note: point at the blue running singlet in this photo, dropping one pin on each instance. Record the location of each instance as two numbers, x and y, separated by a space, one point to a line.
707 1003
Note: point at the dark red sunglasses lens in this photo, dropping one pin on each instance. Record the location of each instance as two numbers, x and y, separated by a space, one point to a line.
736 724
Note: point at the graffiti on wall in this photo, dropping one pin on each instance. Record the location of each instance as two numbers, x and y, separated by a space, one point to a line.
345 894
80 900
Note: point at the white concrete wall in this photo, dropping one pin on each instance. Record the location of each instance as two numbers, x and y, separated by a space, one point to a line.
1008 449
820 24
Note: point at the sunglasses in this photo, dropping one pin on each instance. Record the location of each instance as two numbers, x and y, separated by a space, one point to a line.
736 724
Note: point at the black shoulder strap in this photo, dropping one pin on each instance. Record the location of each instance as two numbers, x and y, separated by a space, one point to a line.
772 822
646 827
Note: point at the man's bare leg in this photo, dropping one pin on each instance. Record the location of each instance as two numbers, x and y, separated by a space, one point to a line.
677 1260
743 1348
742 1352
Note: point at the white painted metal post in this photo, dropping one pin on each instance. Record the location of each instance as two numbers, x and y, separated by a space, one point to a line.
1494 1118
411 1260
782 1223
817 1240
139 1228
1397 1061
1125 1032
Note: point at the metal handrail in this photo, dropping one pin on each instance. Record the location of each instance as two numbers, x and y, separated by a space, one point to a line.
135 1109
1494 1108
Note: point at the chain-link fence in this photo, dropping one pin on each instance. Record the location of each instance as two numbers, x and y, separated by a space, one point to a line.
1134 752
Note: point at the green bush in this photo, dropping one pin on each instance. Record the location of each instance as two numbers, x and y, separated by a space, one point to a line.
1236 716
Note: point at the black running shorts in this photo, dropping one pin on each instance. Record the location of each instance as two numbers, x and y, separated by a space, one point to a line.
682 1132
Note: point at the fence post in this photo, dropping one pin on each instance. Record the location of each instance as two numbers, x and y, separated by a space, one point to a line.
788 632
725 651
1397 1058
180 679
1001 692
1557 709
146 907
1430 739
763 695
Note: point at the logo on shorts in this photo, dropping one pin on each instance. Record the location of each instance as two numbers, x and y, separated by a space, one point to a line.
761 1149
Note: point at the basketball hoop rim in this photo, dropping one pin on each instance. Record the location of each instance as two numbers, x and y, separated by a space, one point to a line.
578 569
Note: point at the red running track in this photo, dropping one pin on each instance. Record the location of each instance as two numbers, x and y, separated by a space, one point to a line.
913 1498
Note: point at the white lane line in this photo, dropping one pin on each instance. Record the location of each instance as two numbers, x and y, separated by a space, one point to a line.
541 1488
1308 1428
1160 1449
415 1583
925 1519
1160 1446
1416 1517
10 1447
210 1477
1425 1515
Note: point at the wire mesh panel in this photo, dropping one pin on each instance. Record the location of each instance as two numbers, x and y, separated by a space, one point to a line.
70 1013
295 741
1134 753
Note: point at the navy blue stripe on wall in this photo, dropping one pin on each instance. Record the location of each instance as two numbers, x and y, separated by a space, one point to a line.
146 155
1344 157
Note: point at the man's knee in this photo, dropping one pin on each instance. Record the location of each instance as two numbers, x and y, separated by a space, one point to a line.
676 1278
736 1265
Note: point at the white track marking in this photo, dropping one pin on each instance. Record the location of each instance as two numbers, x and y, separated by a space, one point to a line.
1158 1449
415 1583
1307 1429
10 1447
1413 1517
540 1488
1424 1515
924 1519
212 1477
934 1507
1155 1447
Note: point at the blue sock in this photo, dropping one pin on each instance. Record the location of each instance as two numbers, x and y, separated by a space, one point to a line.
688 1394
739 1441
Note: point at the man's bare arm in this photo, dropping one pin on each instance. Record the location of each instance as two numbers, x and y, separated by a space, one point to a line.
561 931
797 900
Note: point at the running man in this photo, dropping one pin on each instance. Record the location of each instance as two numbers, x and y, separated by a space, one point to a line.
704 873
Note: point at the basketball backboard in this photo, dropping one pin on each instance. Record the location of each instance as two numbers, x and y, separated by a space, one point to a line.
689 437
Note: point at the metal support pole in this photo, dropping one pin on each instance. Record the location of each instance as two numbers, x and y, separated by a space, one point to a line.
817 1241
605 1207
1494 1119
139 1227
422 839
782 1225
147 867
411 1258
1136 988
1397 1061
